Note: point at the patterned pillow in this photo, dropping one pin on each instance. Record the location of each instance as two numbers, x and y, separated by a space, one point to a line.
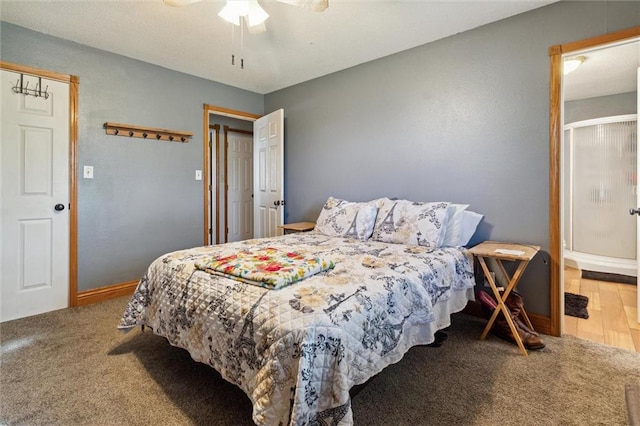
340 218
412 223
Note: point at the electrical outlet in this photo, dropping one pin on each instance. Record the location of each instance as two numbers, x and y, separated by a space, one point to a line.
88 172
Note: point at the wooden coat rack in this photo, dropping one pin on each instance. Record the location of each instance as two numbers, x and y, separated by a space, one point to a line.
133 131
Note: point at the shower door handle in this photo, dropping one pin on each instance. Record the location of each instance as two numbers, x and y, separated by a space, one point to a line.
634 211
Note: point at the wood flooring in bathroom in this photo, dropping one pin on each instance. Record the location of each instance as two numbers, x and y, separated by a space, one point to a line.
613 312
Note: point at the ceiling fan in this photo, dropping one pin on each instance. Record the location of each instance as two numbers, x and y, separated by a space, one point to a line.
235 11
251 14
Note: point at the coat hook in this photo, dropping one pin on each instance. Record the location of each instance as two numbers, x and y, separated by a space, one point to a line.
145 132
22 88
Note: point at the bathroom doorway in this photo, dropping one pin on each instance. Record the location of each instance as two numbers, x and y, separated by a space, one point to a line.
599 175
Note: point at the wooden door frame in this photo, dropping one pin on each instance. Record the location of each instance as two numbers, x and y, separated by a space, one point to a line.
73 82
206 146
555 165
227 130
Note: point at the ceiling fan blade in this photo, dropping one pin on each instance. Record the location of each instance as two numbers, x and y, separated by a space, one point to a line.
257 29
317 5
179 3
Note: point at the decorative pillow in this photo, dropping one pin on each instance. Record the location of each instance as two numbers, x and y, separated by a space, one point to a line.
340 218
413 223
454 225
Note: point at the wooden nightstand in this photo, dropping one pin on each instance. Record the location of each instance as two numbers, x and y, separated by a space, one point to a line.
297 227
511 252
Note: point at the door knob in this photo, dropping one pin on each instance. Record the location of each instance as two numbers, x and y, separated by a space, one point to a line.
276 203
282 202
634 211
59 207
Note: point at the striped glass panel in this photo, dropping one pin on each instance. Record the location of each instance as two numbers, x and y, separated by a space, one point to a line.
604 188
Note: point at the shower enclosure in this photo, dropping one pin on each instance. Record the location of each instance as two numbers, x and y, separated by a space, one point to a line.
600 185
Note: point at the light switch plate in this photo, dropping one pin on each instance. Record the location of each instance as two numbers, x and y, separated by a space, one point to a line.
198 174
88 172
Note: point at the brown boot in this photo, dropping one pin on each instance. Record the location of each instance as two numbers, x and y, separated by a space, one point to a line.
515 303
529 340
501 328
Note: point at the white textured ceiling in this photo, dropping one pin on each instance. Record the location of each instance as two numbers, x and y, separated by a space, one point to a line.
606 71
299 44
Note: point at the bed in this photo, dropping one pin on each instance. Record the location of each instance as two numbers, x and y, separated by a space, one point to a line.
298 350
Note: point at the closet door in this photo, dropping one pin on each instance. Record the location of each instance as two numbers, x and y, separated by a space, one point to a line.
239 150
34 217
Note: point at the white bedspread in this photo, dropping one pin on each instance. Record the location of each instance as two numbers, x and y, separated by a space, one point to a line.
297 351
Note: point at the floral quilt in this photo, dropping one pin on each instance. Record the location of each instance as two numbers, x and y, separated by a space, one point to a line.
297 351
265 266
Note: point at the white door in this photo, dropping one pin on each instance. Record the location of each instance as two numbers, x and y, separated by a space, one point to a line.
213 203
638 207
34 181
240 186
268 177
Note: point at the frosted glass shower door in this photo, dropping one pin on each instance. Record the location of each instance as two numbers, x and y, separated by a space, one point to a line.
604 186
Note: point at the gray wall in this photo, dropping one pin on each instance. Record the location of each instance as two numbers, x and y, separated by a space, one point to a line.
602 106
144 200
464 119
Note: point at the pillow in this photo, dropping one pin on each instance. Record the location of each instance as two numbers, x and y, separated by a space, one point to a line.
454 225
470 222
412 223
340 218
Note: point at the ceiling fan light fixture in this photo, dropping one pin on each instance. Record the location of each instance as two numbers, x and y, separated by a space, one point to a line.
571 64
253 13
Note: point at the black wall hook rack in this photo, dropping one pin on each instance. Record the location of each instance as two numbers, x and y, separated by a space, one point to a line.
23 88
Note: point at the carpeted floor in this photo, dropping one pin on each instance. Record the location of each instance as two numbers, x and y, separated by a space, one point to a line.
72 367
